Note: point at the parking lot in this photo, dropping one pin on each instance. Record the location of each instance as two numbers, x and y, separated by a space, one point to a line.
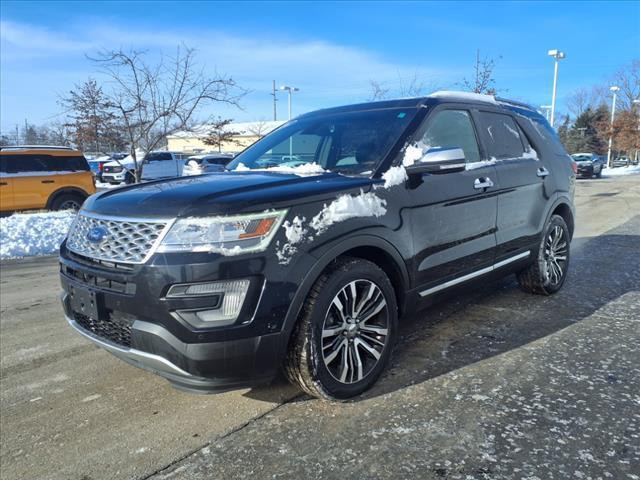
494 384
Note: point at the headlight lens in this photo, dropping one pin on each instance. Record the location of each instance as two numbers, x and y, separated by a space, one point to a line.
228 235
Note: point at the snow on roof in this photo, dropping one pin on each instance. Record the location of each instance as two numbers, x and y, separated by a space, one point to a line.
466 96
244 129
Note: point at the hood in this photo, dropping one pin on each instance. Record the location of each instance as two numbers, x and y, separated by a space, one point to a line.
220 193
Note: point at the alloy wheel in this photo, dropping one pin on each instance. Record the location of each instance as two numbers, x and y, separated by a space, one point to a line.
70 205
555 255
355 331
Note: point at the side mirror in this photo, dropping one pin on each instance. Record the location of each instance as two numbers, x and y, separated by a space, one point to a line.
439 160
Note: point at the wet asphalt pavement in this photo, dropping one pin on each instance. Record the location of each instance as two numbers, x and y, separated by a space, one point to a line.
493 384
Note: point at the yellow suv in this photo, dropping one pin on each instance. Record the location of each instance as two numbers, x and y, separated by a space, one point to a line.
52 178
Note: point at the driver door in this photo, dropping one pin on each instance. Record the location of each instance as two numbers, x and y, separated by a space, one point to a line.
453 215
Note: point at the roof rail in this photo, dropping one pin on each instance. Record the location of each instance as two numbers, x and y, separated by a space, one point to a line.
34 147
515 103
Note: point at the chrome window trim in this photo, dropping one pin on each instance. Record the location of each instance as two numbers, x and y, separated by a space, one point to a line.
475 274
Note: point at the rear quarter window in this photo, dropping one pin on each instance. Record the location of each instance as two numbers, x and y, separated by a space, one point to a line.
548 135
501 136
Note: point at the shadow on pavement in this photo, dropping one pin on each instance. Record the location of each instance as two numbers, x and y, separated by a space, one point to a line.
497 317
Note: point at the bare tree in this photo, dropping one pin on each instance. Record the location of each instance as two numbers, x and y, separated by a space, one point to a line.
220 133
579 100
628 79
482 81
411 87
378 92
153 100
259 128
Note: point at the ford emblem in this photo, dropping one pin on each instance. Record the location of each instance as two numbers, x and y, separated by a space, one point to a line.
97 234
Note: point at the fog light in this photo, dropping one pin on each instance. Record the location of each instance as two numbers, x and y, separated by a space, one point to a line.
233 293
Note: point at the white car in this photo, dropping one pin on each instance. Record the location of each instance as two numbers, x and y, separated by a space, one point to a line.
155 165
210 163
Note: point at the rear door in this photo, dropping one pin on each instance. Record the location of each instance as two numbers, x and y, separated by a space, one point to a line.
521 176
453 215
6 185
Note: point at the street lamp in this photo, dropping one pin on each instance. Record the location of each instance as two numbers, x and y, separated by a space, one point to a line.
558 55
637 102
546 109
613 116
290 90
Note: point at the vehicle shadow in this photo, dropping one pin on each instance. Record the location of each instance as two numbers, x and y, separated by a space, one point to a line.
497 316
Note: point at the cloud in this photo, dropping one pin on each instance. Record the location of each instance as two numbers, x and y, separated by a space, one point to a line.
327 73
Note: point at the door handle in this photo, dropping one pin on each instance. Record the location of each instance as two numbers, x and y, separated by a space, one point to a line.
48 181
542 172
482 182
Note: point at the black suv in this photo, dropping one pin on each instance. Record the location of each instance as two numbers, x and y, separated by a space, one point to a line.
321 236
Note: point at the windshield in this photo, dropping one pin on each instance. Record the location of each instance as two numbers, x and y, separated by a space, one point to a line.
581 158
348 142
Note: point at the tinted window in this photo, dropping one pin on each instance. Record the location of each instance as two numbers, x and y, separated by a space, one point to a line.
501 135
43 163
453 129
157 157
546 131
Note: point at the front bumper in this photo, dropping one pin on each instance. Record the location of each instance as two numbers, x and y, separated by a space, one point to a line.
586 170
225 354
245 354
113 177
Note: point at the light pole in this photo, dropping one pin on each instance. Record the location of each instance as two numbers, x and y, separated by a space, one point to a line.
637 102
613 116
546 109
290 90
558 55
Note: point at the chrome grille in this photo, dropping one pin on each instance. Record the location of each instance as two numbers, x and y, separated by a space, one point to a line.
125 240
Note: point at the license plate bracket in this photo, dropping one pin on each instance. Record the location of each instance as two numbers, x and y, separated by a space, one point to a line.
85 301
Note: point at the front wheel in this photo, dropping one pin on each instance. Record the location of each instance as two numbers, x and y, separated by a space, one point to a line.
599 174
67 201
547 274
346 331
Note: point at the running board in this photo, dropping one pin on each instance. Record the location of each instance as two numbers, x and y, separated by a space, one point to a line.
475 274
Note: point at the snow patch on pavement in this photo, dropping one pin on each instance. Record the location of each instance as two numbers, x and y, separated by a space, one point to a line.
33 234
614 172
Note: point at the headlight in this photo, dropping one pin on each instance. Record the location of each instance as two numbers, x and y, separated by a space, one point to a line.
228 235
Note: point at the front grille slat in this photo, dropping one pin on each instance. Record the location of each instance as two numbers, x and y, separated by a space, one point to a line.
126 241
114 329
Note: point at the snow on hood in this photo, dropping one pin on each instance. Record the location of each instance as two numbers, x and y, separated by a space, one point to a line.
304 169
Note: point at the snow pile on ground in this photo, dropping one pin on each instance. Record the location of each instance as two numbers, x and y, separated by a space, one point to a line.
614 172
348 206
304 169
32 234
106 185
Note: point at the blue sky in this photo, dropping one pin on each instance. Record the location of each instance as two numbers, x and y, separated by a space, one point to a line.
330 50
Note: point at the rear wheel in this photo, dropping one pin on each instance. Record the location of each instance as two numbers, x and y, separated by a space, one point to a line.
67 201
345 334
548 273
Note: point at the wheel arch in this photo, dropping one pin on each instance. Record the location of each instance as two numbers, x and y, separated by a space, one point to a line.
563 209
368 247
65 191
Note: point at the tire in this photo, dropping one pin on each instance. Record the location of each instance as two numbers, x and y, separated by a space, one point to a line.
323 338
548 273
599 174
67 201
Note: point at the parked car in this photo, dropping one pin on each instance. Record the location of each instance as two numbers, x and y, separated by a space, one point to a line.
98 162
155 165
217 282
52 178
589 164
621 162
199 164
